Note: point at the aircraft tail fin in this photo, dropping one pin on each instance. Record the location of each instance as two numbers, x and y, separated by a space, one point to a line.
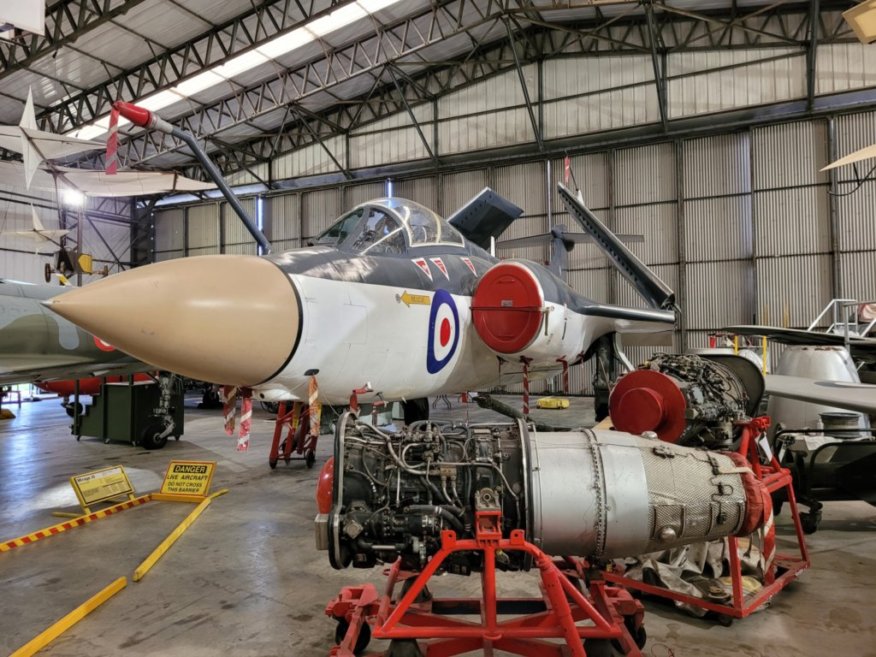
485 217
37 224
31 156
646 282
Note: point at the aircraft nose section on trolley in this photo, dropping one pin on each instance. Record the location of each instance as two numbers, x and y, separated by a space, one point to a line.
230 319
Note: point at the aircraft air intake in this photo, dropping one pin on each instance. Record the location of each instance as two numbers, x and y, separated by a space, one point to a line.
227 319
517 311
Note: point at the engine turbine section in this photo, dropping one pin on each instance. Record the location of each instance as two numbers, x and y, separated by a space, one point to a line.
688 399
590 493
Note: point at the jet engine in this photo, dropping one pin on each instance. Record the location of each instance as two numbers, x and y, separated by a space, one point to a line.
591 493
688 399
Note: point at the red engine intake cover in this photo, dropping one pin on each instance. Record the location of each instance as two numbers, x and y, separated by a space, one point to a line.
645 400
507 308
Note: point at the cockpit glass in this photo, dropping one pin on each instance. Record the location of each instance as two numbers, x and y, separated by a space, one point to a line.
338 231
388 226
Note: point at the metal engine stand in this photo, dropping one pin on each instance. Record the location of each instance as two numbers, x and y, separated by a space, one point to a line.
783 568
296 419
570 618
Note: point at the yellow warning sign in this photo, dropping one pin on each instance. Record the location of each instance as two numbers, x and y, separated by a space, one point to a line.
188 478
417 299
101 485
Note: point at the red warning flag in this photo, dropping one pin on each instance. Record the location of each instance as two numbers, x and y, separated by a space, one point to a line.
112 144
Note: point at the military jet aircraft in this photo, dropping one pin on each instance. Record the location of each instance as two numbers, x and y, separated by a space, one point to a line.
391 301
37 345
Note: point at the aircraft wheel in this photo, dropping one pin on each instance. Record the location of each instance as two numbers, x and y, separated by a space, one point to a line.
71 409
152 438
362 640
809 522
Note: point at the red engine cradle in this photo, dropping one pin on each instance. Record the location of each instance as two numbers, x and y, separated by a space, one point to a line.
298 439
611 613
775 478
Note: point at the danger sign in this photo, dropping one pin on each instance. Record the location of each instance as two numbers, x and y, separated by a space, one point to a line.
188 477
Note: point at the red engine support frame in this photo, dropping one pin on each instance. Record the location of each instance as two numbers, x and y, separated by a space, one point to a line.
774 478
611 612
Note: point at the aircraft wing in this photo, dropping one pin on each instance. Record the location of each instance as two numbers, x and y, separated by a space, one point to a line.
861 347
863 154
43 367
49 145
98 183
486 216
859 397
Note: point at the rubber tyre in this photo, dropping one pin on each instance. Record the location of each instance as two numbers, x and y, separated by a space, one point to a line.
809 522
152 438
309 458
598 648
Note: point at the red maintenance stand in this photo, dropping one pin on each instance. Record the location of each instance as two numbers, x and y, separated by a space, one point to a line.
569 617
295 418
782 568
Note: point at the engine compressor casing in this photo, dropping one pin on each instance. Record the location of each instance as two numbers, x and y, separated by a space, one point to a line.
592 493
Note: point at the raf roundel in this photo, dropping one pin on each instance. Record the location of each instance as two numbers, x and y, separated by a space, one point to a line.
443 331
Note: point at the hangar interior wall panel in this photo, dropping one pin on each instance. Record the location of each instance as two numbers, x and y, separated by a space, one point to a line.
117 236
394 139
319 208
792 221
458 189
203 226
491 94
717 166
311 160
627 295
792 291
718 228
236 238
718 294
658 223
856 214
169 230
744 78
645 175
168 255
844 66
524 185
591 172
356 194
488 130
283 221
421 190
858 275
789 155
22 266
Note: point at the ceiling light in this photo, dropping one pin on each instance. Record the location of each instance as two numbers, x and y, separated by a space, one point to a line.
285 43
240 64
862 19
198 83
72 198
337 19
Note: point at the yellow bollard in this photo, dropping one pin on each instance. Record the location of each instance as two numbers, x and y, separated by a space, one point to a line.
58 628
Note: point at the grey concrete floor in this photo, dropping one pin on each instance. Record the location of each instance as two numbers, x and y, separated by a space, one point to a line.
246 579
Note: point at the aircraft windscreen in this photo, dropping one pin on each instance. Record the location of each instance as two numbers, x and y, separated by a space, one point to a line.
423 226
338 231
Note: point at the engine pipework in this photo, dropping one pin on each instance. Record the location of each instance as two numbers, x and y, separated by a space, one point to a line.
587 493
693 400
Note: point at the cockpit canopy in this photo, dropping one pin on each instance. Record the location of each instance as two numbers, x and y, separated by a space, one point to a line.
389 226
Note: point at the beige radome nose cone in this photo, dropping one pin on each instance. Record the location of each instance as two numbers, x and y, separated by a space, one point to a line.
229 319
